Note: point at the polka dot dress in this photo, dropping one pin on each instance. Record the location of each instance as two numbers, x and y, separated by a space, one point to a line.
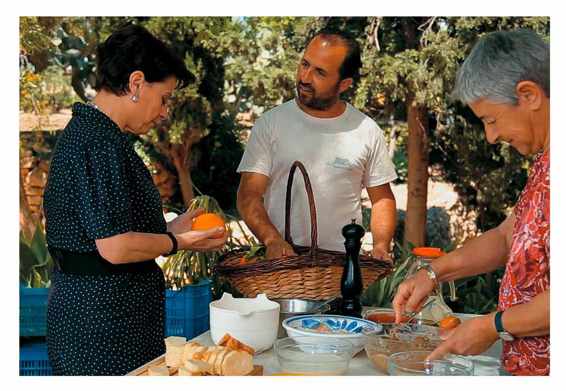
100 325
99 187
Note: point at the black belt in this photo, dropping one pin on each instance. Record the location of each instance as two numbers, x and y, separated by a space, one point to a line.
92 263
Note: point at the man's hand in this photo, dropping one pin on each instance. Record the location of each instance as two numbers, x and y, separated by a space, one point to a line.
472 337
278 248
381 252
382 221
252 209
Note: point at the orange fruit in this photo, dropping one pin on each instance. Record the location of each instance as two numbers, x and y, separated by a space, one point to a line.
208 221
449 322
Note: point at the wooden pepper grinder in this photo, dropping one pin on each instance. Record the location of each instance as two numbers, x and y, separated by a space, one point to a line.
351 285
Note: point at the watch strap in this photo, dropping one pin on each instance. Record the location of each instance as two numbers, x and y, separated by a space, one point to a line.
498 322
503 334
175 244
431 274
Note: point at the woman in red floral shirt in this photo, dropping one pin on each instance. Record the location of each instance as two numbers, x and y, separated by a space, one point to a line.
505 81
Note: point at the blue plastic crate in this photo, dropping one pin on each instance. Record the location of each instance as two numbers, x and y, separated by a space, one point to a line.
186 311
34 360
33 311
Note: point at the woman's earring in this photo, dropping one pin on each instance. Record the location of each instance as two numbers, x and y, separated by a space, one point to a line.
136 97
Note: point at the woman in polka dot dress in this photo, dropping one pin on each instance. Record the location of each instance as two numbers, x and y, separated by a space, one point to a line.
104 219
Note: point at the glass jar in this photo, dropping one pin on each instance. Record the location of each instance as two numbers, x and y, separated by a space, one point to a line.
438 310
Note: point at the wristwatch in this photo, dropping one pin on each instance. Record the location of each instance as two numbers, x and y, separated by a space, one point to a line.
431 274
503 334
174 244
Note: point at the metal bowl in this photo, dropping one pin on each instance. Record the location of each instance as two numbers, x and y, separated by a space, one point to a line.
293 307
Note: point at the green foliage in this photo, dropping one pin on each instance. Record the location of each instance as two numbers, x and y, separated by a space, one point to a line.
219 154
488 178
478 294
381 293
32 96
260 73
401 163
198 113
45 92
438 228
68 43
35 261
35 33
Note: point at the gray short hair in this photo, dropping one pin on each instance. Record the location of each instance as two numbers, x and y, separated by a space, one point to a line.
498 62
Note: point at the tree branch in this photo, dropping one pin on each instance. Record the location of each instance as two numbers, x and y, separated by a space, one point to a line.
373 32
426 28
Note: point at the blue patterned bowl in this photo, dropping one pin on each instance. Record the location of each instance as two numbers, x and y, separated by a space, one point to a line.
331 326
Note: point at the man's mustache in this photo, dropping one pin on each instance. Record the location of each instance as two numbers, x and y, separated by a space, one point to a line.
306 86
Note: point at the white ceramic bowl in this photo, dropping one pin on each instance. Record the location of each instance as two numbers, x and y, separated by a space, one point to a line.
326 327
252 321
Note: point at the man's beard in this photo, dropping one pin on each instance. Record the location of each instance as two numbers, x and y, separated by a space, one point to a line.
315 102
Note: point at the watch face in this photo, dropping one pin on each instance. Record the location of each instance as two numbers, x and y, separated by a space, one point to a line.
504 335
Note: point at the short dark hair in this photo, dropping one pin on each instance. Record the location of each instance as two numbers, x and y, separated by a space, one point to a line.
133 48
353 61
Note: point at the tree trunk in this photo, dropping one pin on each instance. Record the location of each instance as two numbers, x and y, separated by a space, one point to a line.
186 184
180 156
415 219
181 161
417 150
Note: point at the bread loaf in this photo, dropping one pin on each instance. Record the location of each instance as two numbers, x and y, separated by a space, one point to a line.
174 348
196 366
232 343
158 371
185 372
193 351
232 358
237 363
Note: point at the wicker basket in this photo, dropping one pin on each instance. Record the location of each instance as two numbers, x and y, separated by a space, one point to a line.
313 274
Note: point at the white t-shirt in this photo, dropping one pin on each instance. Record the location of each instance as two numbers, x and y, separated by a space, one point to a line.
341 155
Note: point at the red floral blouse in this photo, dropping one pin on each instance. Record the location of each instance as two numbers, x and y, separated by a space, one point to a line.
527 272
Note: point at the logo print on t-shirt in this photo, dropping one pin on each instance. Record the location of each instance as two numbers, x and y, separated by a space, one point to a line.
340 163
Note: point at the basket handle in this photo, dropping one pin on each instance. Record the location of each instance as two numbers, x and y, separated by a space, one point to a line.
308 187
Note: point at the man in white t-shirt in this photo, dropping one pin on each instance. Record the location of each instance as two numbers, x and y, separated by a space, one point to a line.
342 149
